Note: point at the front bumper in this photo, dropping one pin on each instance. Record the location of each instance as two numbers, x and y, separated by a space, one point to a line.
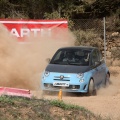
69 83
82 88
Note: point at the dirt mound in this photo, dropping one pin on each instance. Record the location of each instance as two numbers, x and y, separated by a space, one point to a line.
12 108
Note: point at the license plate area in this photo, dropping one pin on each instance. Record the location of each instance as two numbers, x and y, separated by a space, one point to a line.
62 84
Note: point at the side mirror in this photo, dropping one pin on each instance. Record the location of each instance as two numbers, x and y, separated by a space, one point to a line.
97 63
101 59
48 60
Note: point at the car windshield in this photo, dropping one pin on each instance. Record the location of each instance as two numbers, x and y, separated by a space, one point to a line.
71 57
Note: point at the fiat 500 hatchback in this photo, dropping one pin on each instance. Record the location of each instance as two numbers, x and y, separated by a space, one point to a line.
75 69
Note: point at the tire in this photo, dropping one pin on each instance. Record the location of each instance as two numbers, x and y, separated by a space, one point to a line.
91 88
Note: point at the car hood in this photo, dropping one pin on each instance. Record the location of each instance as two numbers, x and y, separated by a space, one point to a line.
67 68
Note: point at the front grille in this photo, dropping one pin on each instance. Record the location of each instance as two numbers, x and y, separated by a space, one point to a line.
62 79
59 78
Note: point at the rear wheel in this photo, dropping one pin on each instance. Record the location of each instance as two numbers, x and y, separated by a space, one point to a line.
91 88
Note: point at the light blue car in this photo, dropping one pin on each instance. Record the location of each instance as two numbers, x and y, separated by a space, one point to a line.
76 69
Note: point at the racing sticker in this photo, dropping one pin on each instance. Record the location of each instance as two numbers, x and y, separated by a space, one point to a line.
64 84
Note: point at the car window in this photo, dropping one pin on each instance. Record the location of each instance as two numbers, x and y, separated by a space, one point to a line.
71 57
95 57
101 56
58 55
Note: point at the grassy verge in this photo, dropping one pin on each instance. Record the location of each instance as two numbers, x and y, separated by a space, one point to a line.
15 108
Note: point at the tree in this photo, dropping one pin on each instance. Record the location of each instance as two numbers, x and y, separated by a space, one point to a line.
52 9
64 9
103 8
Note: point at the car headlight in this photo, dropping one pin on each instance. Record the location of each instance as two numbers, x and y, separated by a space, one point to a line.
46 73
81 80
80 75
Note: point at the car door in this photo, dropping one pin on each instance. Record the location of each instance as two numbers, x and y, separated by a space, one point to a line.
96 67
102 66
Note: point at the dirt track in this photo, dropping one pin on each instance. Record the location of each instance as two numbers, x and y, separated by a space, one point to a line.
106 103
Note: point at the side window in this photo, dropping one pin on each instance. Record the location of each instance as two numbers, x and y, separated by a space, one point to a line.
95 57
101 56
98 54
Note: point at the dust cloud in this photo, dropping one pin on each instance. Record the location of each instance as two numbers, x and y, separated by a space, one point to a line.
22 63
113 88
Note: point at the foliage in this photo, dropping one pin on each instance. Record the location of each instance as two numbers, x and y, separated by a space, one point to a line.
66 9
104 8
113 23
116 53
85 37
52 9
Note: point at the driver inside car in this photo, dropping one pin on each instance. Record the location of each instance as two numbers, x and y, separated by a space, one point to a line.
69 57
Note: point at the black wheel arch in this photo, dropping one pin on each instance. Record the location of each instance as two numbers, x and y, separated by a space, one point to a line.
108 73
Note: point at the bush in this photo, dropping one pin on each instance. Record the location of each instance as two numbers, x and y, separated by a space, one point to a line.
113 24
87 38
116 53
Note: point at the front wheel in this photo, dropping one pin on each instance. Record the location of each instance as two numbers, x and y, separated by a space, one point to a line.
91 88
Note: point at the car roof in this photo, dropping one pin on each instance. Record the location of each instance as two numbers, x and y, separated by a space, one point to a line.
80 47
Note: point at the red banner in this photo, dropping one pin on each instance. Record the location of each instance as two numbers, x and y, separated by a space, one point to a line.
23 28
